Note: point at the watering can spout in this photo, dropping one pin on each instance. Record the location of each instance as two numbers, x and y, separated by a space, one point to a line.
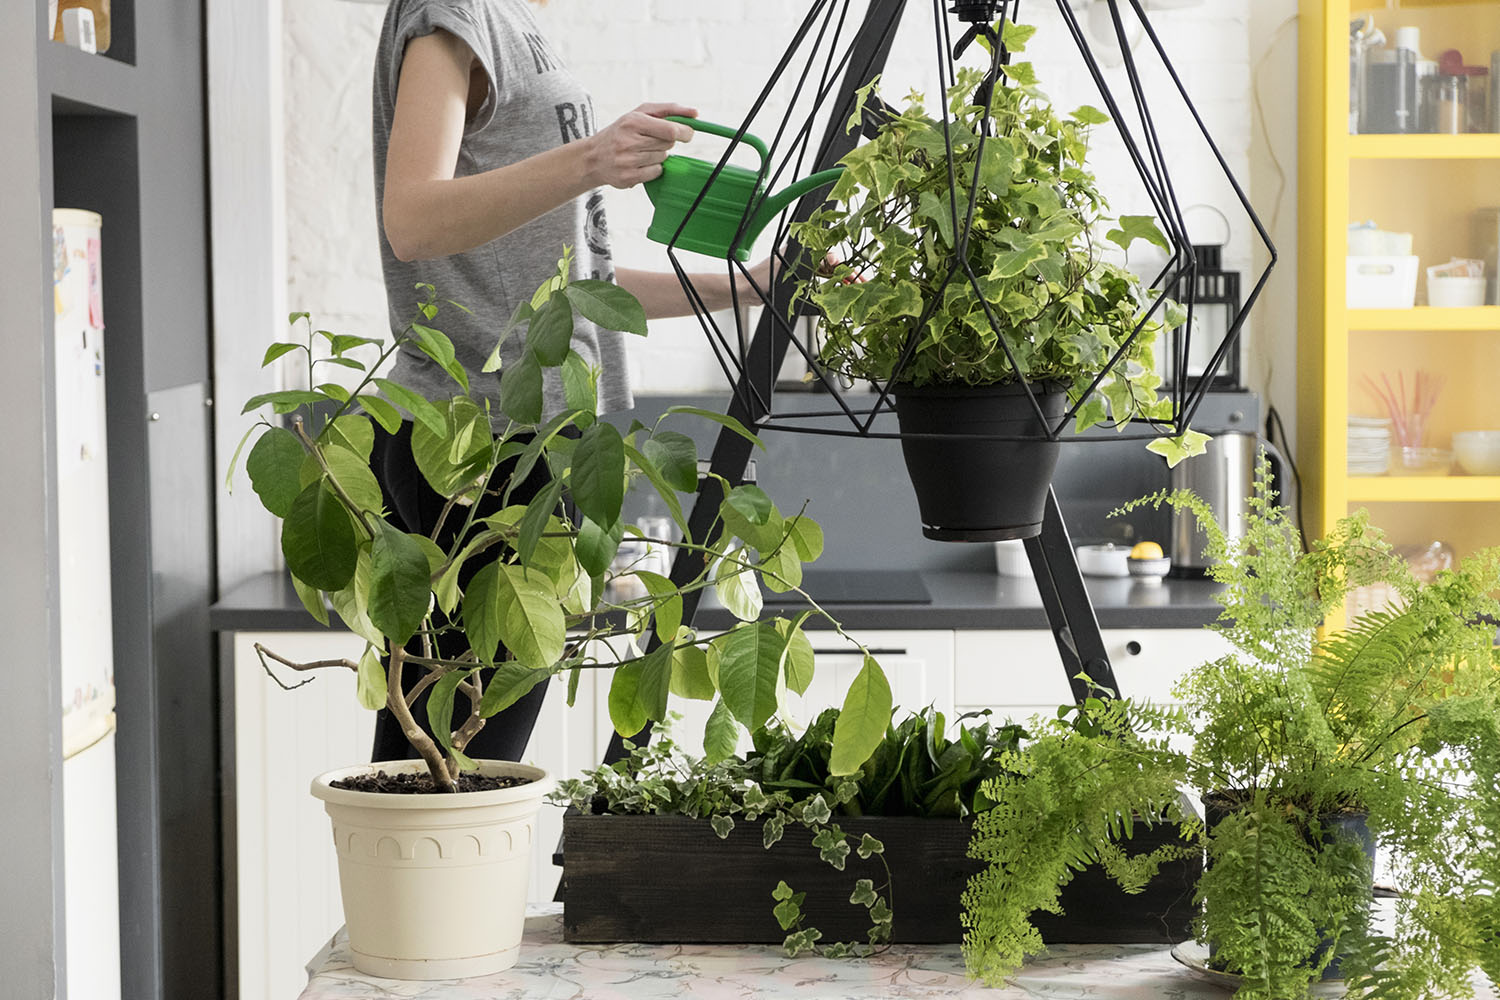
774 204
701 207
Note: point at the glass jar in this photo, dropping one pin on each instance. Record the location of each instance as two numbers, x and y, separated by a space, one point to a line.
1449 103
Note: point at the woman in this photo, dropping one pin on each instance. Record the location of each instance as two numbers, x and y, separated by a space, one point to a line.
488 162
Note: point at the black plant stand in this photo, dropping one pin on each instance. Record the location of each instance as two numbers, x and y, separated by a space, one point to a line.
1053 562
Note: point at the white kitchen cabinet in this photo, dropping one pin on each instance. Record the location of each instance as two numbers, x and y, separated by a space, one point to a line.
1018 673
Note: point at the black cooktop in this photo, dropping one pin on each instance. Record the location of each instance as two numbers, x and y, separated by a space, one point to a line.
857 586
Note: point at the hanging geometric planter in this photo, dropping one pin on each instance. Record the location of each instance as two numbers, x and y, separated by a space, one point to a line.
959 249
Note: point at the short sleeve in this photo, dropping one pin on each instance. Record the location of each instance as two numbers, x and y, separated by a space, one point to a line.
423 18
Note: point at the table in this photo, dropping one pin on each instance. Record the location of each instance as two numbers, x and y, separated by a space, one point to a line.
550 969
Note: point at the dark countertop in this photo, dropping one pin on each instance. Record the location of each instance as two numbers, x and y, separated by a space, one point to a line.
973 600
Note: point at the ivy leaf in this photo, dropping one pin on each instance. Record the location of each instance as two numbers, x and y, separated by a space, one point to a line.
722 825
1186 445
864 890
815 811
720 736
607 306
273 465
317 539
868 845
1089 115
862 721
832 847
372 684
772 830
1137 227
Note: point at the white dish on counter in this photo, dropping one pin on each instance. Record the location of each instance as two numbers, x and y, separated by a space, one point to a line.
1478 452
1109 560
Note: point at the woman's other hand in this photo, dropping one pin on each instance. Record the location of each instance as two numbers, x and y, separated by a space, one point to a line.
630 150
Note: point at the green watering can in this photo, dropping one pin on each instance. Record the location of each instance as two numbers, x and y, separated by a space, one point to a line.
712 227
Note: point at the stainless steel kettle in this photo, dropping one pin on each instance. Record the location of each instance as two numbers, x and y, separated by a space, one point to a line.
1224 476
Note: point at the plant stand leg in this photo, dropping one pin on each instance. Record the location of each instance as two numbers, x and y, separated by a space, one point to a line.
1070 613
731 454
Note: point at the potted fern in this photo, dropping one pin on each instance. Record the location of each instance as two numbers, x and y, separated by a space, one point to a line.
954 322
1311 742
434 885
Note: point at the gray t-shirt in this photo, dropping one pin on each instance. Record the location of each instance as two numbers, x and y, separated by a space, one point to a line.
534 104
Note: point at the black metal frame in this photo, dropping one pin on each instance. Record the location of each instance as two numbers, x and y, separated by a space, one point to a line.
1070 613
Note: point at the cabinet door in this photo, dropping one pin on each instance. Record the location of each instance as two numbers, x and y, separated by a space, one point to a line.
1019 673
919 665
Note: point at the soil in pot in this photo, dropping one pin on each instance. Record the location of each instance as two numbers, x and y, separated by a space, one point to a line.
414 783
972 487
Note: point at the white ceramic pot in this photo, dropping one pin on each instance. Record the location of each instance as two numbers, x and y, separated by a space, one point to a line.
434 886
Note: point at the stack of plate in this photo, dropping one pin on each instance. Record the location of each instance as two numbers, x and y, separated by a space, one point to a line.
1369 446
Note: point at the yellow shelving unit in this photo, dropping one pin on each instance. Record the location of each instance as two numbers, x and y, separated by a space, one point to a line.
1430 186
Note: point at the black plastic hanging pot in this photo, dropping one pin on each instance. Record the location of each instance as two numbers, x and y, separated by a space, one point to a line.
971 488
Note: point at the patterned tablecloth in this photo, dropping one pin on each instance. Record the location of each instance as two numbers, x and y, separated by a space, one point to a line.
554 970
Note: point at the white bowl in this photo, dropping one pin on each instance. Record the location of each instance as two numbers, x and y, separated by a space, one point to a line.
1455 292
1478 452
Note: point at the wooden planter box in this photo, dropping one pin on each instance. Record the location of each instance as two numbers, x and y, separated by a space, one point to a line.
670 879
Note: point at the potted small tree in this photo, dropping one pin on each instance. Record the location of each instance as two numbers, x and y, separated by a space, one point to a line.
1311 744
1022 293
434 885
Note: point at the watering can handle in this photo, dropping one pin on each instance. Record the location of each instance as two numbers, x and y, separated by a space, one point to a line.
725 131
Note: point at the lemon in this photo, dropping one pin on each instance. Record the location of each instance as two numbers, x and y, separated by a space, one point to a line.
1146 550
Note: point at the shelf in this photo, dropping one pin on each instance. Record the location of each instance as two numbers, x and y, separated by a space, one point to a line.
82 83
1426 318
1417 489
1424 147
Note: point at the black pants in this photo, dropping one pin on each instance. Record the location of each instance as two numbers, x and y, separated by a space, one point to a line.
415 507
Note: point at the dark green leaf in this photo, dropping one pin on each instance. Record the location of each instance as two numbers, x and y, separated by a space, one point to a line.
550 335
277 350
436 345
676 456
625 709
750 678
539 514
414 403
400 583
596 547
273 465
607 306
722 419
284 400
663 489
384 413
598 477
521 390
317 539
440 706
509 684
579 391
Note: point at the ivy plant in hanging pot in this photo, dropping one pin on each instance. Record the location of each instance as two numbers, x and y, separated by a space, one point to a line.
986 330
520 594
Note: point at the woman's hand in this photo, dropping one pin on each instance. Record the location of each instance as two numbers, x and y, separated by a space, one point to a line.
631 149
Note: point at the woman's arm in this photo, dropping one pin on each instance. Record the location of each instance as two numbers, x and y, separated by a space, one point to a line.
430 213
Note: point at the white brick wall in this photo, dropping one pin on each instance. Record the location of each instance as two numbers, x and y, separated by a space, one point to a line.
714 55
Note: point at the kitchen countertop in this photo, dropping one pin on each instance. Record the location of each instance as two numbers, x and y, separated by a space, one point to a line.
972 600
